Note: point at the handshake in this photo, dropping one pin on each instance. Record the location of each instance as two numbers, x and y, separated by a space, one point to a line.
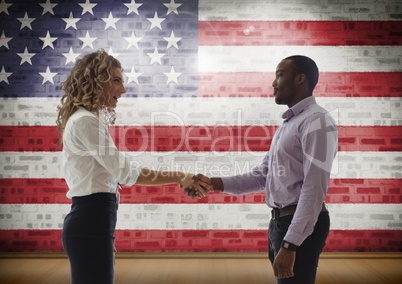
201 185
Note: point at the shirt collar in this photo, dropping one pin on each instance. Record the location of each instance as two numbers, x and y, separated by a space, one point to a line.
298 108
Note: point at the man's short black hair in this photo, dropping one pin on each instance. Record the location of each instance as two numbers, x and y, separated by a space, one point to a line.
305 65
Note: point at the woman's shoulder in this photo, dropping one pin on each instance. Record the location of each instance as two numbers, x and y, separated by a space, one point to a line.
82 114
83 118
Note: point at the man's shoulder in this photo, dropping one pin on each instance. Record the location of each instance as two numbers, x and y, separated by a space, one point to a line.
315 113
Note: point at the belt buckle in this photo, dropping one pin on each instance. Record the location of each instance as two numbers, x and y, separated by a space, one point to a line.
275 214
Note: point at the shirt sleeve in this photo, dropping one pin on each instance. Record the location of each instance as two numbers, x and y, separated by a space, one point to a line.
90 137
319 139
247 183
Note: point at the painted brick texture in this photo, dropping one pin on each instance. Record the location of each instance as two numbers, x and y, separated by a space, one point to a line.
222 105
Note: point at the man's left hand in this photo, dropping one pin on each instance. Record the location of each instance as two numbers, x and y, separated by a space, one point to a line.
284 263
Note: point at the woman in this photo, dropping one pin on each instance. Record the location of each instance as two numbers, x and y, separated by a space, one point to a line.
93 167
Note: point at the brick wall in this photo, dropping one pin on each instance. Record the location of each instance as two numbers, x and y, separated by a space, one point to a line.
223 105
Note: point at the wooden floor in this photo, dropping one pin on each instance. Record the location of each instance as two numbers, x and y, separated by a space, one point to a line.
209 268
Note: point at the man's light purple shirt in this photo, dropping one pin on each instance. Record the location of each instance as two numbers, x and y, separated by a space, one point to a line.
296 169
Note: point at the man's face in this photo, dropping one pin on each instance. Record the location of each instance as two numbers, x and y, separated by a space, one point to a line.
114 89
284 84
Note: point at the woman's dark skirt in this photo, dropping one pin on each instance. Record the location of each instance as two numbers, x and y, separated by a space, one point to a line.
88 238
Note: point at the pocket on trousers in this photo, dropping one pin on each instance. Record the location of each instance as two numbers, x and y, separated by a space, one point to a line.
283 223
323 222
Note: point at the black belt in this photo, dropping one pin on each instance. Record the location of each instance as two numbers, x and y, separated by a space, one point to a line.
277 213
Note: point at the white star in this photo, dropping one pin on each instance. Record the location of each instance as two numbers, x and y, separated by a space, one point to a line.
26 22
87 7
26 56
133 7
4 75
48 7
87 40
47 76
4 40
155 56
133 40
71 56
48 41
172 40
71 21
4 7
172 76
156 21
110 21
133 76
110 52
172 7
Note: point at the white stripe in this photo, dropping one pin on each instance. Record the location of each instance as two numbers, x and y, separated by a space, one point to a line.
199 216
346 165
209 111
328 58
301 10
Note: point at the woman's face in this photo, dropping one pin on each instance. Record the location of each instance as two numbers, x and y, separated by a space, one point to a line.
115 88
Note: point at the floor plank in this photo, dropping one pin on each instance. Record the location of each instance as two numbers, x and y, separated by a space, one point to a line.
198 268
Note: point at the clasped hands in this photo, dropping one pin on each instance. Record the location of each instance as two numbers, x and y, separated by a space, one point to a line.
199 187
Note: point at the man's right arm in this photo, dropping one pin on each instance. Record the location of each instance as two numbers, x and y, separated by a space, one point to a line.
247 183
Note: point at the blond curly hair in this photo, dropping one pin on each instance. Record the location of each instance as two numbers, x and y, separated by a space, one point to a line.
84 86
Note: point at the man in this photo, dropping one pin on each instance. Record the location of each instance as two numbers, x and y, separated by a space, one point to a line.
294 174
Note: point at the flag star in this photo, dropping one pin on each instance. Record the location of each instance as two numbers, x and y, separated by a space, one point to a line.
155 56
133 40
87 7
156 21
110 21
87 40
48 7
26 22
172 40
133 76
4 40
71 56
4 7
48 40
71 21
4 75
172 76
26 56
172 7
110 52
47 76
133 7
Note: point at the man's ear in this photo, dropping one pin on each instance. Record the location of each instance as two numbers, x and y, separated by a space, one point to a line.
300 79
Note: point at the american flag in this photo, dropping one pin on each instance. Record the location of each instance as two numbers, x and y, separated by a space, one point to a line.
199 99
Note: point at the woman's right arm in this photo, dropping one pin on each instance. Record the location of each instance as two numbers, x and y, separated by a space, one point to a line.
185 180
97 142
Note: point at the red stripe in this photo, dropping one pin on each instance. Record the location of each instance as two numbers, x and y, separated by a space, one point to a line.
331 84
202 240
287 33
53 191
198 138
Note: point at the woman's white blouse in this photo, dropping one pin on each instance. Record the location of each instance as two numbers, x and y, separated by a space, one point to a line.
90 160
